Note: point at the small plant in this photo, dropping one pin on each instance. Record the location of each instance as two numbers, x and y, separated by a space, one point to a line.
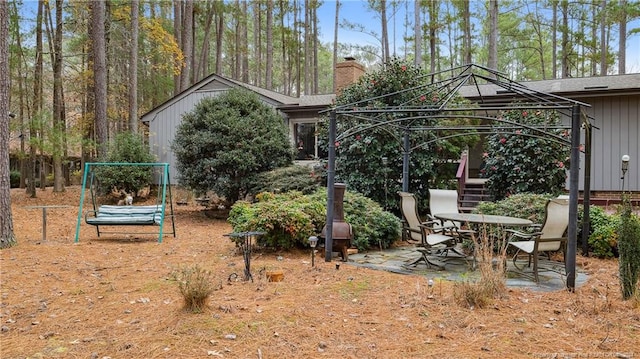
492 282
196 285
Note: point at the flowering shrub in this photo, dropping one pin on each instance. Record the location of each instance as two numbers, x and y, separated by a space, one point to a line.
524 160
361 148
289 219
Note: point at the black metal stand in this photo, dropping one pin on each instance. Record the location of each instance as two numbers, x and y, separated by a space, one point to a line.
243 239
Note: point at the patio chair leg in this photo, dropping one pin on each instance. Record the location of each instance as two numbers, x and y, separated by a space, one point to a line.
423 258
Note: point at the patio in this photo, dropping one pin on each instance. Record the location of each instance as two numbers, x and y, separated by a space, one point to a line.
395 260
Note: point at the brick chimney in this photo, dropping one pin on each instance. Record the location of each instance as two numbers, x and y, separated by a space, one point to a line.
347 73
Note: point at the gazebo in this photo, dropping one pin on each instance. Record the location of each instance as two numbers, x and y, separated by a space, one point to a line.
470 77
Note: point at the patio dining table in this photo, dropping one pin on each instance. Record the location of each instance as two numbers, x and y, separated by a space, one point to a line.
478 220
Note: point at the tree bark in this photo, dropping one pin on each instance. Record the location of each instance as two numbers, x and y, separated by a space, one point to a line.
622 44
187 44
99 76
492 60
603 38
385 31
417 29
268 76
133 68
7 236
335 45
59 127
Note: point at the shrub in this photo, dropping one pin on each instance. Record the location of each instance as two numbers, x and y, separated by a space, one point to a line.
127 148
227 140
195 285
289 219
629 247
14 179
522 205
603 240
522 161
285 179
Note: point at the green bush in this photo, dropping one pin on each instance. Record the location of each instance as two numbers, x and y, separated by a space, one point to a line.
285 179
520 161
127 148
14 179
629 246
603 240
227 140
289 219
522 205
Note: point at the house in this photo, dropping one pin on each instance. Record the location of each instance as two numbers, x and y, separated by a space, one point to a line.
614 100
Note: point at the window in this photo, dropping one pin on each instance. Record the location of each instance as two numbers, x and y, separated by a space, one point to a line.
306 141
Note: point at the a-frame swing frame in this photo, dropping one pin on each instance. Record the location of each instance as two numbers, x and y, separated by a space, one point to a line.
164 195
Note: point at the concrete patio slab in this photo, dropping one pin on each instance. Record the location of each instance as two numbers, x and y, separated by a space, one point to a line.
457 268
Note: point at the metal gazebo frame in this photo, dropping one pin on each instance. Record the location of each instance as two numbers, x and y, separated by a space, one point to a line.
474 75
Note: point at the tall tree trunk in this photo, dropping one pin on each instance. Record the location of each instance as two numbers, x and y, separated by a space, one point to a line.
100 76
257 42
22 86
245 42
565 38
433 24
593 44
296 46
492 60
417 29
336 24
177 33
268 76
466 31
133 68
286 71
307 52
59 127
603 38
201 68
554 39
187 44
37 103
7 236
314 23
219 38
622 36
385 31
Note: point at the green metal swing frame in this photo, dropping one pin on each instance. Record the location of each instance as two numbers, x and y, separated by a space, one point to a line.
163 195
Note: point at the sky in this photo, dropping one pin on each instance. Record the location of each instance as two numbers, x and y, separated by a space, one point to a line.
356 11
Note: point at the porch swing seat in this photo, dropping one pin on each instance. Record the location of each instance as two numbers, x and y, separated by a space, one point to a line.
124 215
143 215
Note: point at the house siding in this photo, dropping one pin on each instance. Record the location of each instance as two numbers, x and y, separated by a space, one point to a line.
617 119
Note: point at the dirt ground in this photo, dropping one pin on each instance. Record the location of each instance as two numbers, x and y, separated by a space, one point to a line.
114 297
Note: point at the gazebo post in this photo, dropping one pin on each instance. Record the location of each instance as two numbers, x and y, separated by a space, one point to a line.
586 197
331 168
405 161
574 173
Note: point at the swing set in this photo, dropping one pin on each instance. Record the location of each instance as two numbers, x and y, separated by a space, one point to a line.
112 215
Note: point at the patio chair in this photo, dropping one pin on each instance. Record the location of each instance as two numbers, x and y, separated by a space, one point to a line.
414 230
446 201
548 237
